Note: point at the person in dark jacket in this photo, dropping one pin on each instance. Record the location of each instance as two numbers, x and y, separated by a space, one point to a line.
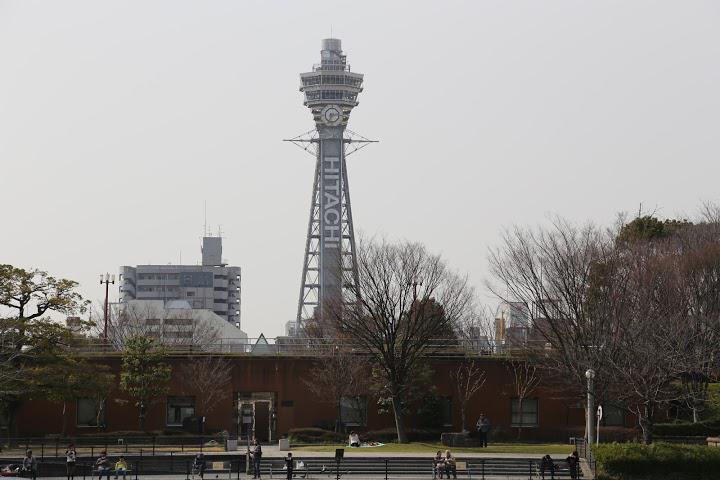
573 464
547 465
199 465
256 457
30 465
103 466
483 428
289 465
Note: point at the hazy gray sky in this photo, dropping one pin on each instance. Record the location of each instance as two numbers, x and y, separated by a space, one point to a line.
119 119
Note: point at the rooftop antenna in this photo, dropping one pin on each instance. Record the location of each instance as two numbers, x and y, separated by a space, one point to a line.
204 218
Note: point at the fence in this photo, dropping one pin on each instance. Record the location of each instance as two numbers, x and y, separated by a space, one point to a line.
314 467
149 445
584 449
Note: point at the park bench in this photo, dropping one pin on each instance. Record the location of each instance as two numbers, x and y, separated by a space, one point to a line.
562 470
94 472
219 467
461 468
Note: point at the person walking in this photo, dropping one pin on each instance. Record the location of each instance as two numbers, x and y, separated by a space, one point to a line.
256 457
198 466
573 461
289 465
483 429
70 461
30 465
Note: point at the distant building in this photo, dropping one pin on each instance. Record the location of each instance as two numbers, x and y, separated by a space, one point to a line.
212 286
174 323
512 324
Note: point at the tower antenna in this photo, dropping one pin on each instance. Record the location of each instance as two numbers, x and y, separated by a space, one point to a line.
204 218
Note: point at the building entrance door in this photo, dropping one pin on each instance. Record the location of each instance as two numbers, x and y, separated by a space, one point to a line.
256 416
262 421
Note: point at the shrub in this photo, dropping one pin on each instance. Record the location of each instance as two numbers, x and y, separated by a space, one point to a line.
387 435
686 429
315 435
657 461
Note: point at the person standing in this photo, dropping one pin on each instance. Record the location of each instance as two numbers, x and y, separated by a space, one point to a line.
573 461
483 428
256 457
30 465
71 459
289 465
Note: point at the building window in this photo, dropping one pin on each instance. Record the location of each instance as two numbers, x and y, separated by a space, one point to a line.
446 411
178 409
613 416
528 416
190 294
90 412
353 410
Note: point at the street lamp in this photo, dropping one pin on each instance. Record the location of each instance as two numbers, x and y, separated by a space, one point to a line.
590 425
106 279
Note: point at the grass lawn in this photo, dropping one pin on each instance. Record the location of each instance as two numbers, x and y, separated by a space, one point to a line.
431 448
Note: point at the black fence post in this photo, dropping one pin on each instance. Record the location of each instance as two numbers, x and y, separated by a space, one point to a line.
92 451
84 470
153 445
386 469
171 461
201 443
137 467
187 470
530 468
182 445
482 467
42 450
57 445
238 472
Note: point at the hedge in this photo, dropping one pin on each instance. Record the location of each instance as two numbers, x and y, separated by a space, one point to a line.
629 461
315 435
710 428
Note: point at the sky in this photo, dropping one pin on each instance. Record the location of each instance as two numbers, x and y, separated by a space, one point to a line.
122 121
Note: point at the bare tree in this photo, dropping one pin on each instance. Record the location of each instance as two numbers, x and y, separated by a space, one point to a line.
468 379
406 298
338 375
526 378
206 378
571 279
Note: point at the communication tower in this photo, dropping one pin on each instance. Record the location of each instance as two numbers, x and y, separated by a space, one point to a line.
330 267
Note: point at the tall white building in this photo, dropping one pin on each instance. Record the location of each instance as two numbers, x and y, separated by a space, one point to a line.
213 285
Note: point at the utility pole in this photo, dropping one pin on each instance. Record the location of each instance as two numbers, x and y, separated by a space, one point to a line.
106 279
590 425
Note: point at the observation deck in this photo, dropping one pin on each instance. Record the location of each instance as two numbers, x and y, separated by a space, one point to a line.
331 82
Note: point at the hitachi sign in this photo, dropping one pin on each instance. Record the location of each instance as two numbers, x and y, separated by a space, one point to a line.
331 177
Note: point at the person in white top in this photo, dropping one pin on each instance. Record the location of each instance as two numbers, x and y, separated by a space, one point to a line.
354 439
71 456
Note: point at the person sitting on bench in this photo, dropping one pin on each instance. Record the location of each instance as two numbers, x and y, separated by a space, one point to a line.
450 464
102 465
438 464
121 468
546 464
354 440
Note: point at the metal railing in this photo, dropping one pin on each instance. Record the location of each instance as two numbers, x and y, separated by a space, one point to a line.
294 346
